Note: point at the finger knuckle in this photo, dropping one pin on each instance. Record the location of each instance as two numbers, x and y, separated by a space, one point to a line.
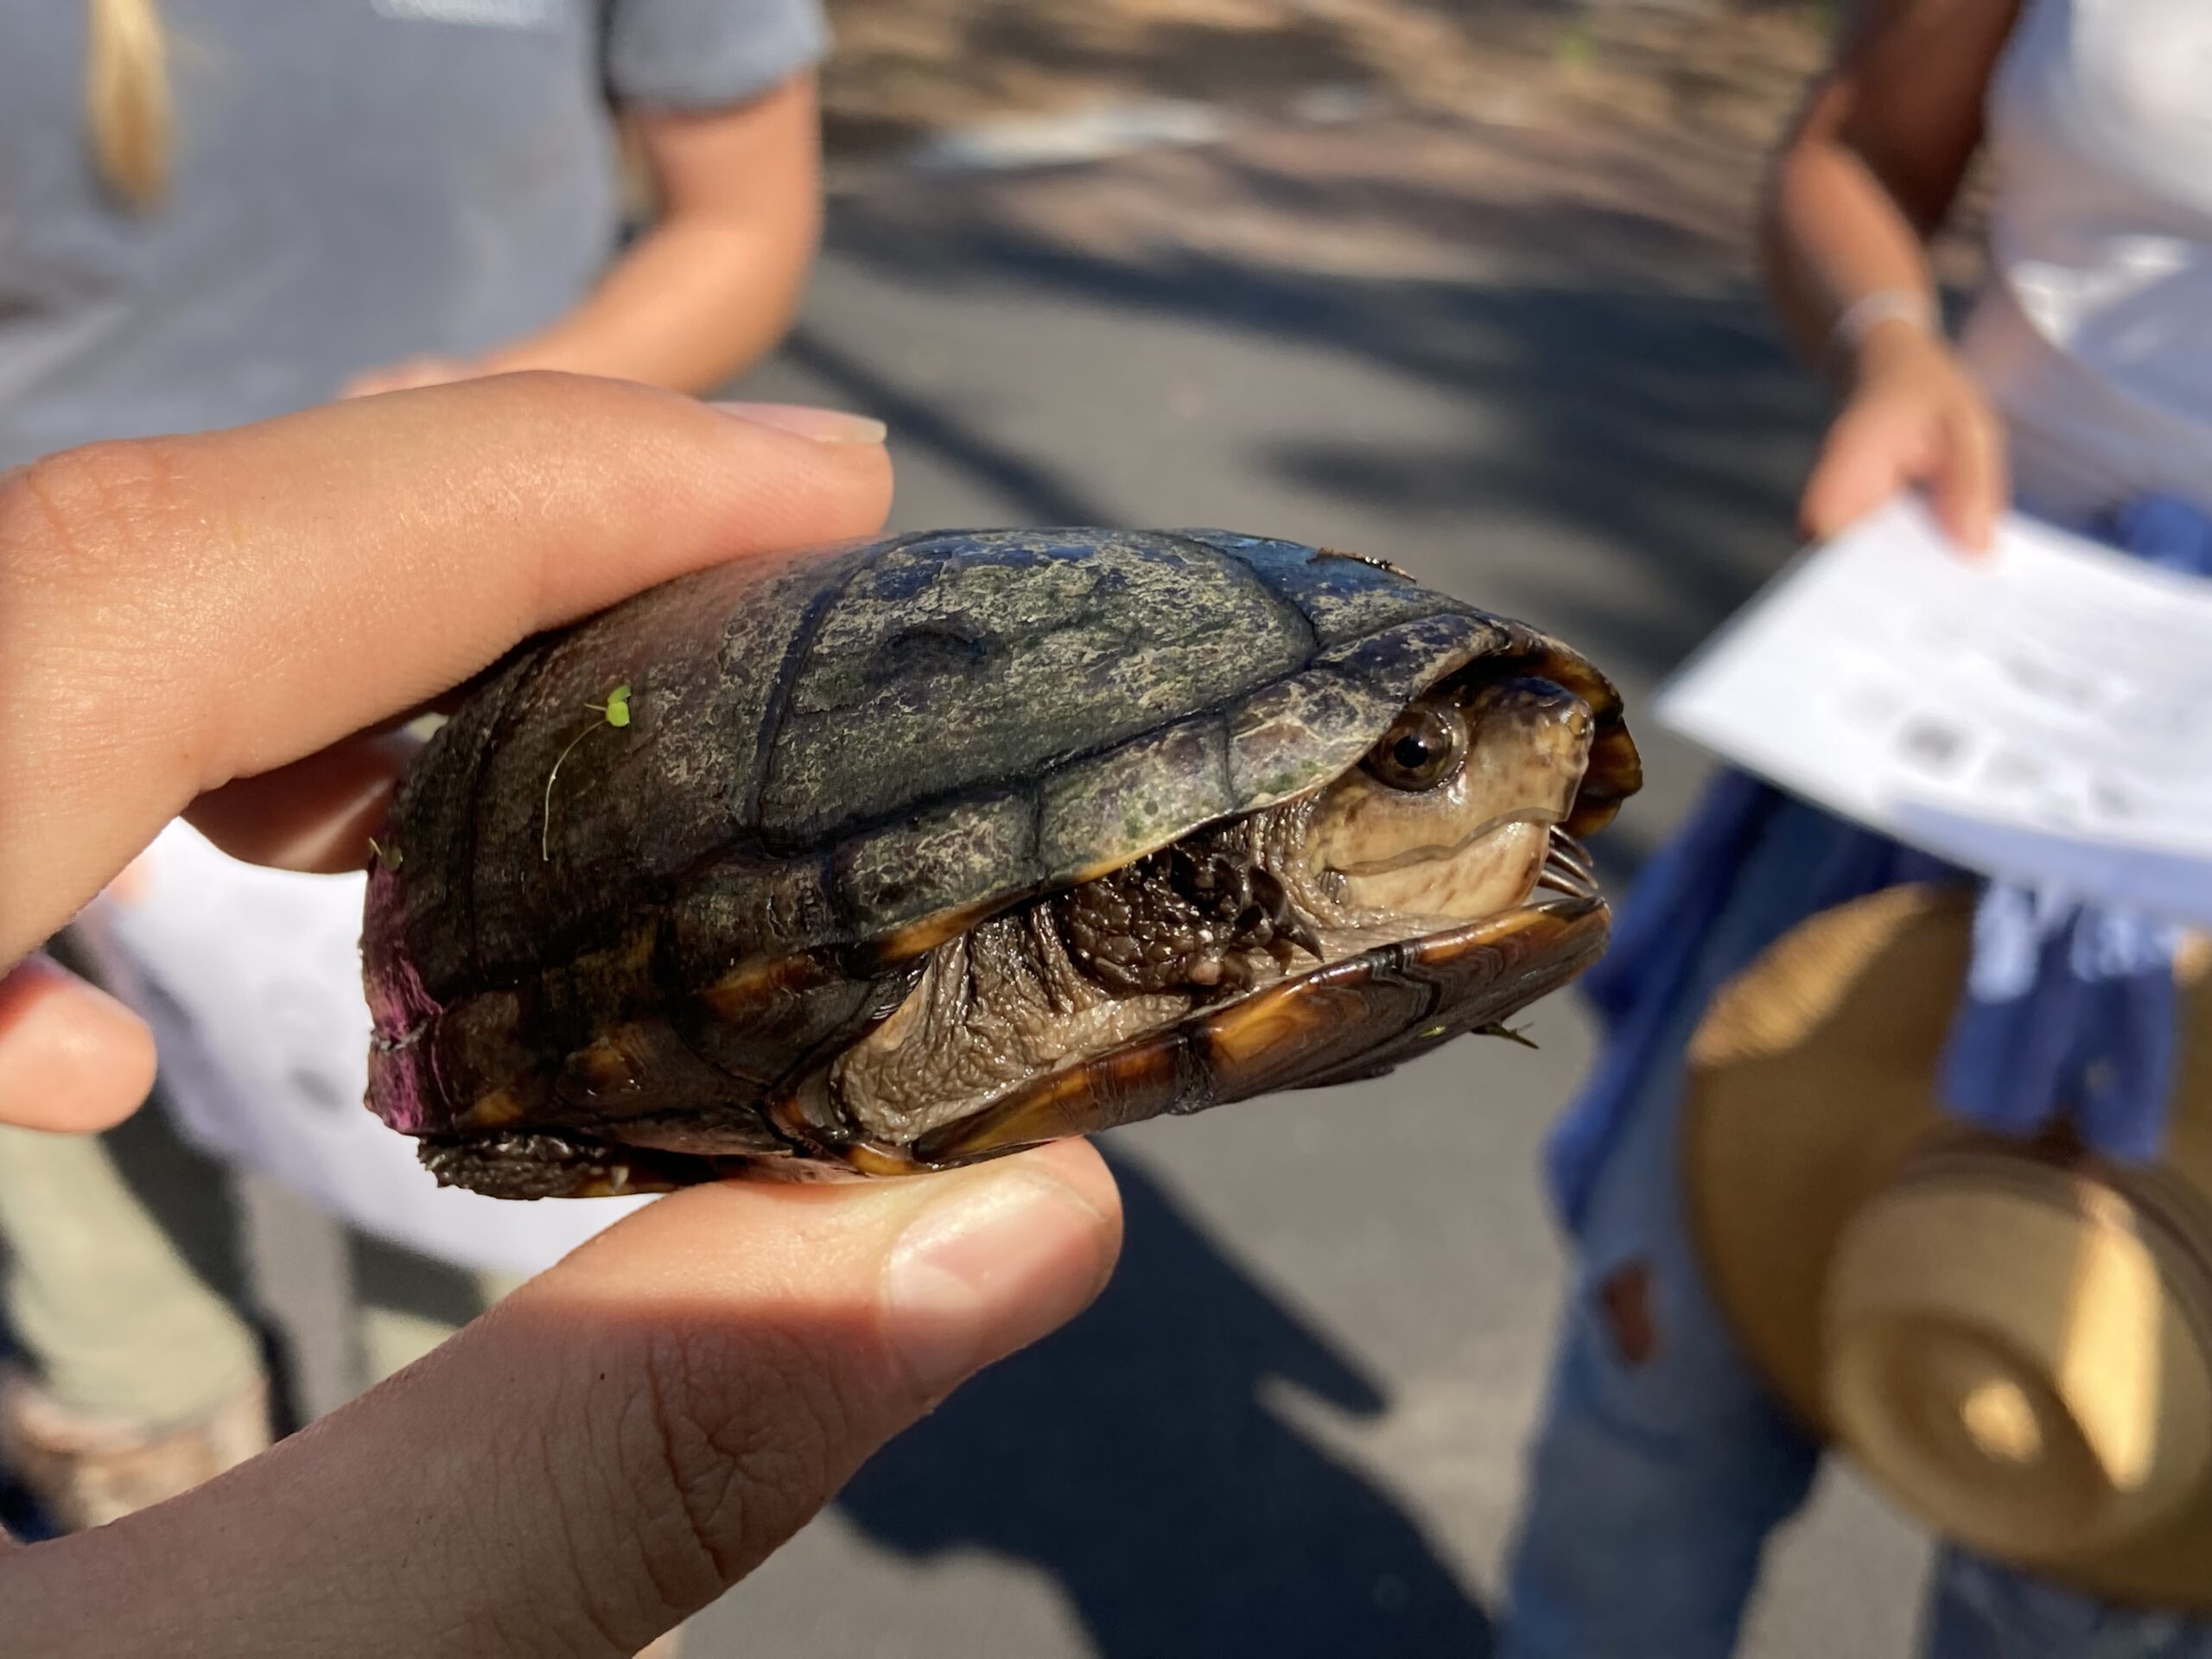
83 511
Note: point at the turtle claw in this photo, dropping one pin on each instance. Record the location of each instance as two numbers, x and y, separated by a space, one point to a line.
1499 1028
1283 926
1294 929
1218 976
1568 868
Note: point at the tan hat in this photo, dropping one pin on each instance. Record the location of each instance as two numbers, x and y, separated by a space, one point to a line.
2015 1341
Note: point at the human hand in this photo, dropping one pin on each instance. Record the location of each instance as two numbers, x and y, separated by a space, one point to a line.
1912 416
411 375
213 623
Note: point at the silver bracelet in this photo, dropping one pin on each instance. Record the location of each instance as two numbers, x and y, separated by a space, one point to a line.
1871 311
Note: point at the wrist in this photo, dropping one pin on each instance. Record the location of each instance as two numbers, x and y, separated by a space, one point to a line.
1892 350
1886 323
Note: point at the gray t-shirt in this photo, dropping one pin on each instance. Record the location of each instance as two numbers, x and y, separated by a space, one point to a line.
355 182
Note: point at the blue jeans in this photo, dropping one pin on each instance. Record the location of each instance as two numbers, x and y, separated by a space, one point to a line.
1663 1463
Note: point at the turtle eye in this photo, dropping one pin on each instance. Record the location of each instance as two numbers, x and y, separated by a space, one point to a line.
1423 747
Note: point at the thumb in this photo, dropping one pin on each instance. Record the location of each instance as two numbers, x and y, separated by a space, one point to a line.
71 1056
611 1448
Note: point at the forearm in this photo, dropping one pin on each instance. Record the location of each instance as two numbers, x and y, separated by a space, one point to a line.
1830 236
1871 169
694 303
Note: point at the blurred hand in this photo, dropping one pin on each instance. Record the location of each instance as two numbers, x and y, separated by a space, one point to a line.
213 623
411 376
1912 417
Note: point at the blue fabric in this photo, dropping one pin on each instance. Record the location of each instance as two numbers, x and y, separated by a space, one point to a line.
2067 1009
1980 1611
1656 1479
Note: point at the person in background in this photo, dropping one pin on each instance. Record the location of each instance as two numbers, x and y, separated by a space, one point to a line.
213 211
2079 390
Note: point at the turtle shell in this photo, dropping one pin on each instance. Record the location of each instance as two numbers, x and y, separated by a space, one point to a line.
662 863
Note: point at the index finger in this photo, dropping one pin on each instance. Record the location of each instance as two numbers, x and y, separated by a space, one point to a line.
176 612
1971 487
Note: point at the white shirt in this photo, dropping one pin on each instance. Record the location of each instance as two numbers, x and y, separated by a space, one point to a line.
2094 334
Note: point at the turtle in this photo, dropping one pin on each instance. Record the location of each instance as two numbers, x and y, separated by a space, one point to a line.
895 855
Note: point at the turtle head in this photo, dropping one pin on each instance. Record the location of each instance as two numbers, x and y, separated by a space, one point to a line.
1451 814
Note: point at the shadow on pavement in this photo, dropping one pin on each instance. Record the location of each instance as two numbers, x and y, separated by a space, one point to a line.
1134 1458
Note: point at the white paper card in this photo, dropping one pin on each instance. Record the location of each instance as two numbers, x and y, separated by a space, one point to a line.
2044 715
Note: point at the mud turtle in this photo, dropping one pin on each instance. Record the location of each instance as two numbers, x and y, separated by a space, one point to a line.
902 854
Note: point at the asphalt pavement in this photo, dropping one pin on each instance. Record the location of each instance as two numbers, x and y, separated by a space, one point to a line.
1295 1424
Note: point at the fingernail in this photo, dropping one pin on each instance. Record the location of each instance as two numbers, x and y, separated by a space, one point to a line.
990 1267
822 425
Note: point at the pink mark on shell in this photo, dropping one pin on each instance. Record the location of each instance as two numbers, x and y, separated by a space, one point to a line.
403 1080
403 1088
399 1003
